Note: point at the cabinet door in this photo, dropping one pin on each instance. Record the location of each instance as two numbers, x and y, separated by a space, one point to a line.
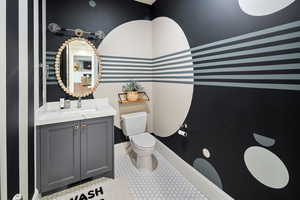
60 155
96 146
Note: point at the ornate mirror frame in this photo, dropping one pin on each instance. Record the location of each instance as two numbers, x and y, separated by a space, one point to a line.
57 67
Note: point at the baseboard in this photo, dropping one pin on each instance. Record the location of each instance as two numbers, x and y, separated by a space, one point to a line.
197 179
36 195
121 148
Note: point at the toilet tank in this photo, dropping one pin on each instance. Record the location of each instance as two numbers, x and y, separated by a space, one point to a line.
134 123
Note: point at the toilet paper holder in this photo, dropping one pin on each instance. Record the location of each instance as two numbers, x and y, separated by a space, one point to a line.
183 130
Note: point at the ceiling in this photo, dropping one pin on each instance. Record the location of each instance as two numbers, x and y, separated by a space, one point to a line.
149 2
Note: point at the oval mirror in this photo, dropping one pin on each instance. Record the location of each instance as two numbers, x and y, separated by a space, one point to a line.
77 67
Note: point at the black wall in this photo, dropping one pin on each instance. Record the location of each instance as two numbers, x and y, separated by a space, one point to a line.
12 97
107 15
223 119
31 177
40 8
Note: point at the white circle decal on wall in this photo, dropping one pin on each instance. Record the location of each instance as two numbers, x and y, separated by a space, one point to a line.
266 167
206 153
172 100
263 7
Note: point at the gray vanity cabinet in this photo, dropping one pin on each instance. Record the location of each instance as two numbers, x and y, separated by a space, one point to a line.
60 155
72 151
96 147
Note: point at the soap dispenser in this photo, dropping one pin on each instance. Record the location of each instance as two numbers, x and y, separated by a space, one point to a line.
61 103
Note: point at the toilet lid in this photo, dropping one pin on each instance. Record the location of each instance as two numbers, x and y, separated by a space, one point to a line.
143 140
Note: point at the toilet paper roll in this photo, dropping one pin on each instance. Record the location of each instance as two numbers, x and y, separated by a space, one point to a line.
183 133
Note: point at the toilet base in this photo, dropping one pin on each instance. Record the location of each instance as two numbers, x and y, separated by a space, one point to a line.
144 163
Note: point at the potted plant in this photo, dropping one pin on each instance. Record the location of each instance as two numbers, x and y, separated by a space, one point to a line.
132 90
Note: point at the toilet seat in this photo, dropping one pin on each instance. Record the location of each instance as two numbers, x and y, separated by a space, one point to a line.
144 140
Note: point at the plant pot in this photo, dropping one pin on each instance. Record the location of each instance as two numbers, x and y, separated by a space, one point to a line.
132 96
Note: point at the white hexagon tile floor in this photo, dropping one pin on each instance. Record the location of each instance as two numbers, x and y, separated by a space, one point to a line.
164 183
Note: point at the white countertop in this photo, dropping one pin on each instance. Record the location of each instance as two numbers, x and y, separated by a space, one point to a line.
50 113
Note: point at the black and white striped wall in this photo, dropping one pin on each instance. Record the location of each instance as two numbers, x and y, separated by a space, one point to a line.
264 59
235 62
17 98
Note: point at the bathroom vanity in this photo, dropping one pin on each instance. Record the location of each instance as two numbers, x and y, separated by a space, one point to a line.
74 144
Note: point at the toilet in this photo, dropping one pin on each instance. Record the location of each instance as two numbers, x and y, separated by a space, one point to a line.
142 143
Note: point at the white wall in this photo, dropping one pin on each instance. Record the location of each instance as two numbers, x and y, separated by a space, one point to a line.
170 102
132 39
